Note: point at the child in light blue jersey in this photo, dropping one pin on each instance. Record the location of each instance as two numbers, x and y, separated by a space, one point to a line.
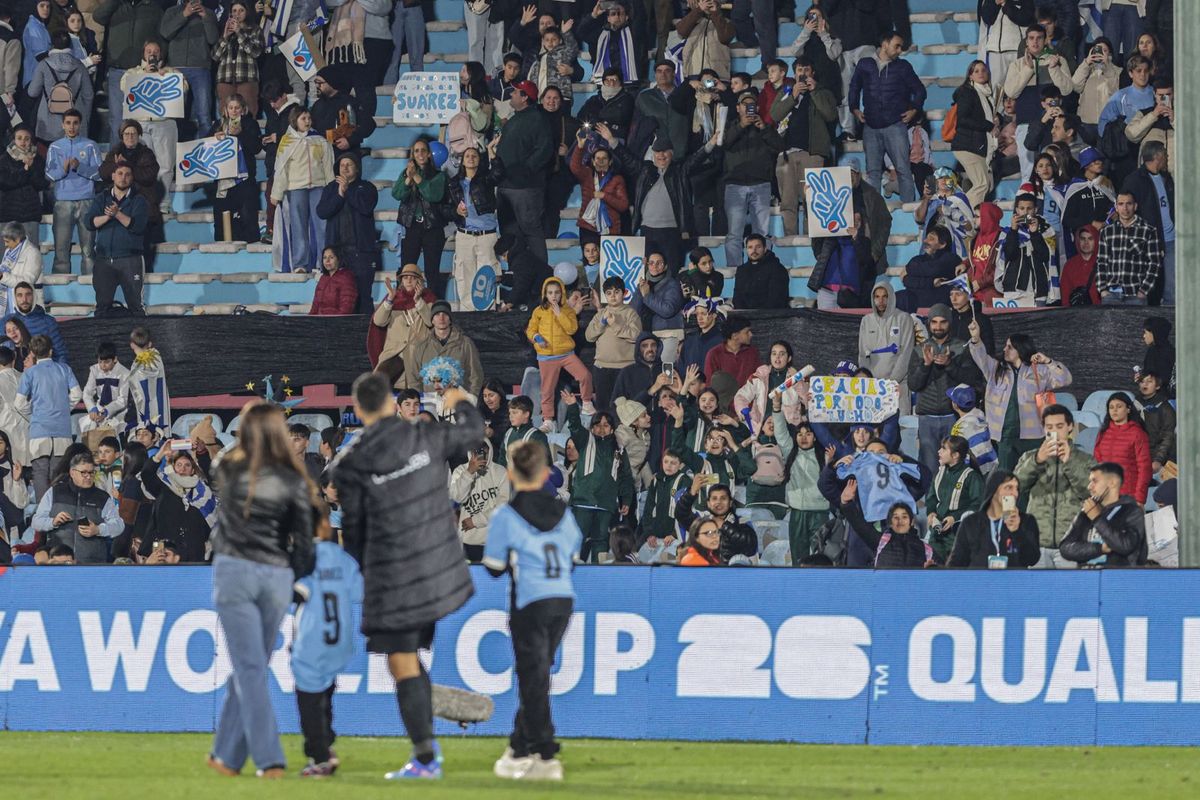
322 646
536 537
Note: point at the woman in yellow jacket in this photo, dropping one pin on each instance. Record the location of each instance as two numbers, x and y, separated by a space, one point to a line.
551 331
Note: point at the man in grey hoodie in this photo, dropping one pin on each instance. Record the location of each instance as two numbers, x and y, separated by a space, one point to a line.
886 340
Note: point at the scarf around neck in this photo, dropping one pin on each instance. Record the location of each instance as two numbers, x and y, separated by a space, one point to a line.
19 154
623 55
345 36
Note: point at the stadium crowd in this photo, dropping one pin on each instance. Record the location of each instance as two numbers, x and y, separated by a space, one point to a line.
679 443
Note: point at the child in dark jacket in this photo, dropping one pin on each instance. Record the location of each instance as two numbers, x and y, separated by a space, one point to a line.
722 457
658 515
956 488
602 485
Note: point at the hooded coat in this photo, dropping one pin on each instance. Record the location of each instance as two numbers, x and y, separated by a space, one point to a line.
899 551
397 521
662 308
981 262
886 342
1080 273
974 544
602 477
478 496
634 381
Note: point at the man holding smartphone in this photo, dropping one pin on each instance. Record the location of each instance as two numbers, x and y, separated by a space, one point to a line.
1054 479
77 514
1110 528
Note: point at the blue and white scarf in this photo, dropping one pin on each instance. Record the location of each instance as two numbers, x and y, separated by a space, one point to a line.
625 58
199 497
6 265
596 213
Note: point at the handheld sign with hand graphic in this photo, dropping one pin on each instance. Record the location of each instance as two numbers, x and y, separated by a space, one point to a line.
155 97
828 194
206 160
298 53
624 257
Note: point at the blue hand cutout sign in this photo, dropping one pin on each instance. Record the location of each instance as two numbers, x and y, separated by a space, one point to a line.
150 93
205 159
620 262
302 56
829 201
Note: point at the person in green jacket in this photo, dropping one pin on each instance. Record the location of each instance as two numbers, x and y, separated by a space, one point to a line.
190 29
956 488
602 485
1055 479
802 463
421 190
658 515
722 456
520 429
765 488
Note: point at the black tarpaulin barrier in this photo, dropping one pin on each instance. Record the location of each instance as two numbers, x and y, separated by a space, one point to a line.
218 354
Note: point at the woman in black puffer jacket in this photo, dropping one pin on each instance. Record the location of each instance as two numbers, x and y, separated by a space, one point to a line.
899 544
263 542
22 181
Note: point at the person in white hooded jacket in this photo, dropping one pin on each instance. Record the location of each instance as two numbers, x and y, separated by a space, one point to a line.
479 486
886 339
753 394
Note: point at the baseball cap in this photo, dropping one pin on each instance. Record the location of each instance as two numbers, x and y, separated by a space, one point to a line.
846 367
962 396
1089 155
528 88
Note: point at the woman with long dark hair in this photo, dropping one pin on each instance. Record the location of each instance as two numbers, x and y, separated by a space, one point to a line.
421 190
803 461
703 546
1123 440
237 55
493 405
1013 386
263 543
975 139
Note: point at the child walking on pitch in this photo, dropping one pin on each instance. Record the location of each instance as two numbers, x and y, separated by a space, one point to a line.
535 537
323 645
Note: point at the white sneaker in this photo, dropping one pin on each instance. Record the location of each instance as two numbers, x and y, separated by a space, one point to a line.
588 409
510 767
547 427
543 769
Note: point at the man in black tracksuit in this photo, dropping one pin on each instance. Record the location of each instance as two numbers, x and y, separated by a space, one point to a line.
399 525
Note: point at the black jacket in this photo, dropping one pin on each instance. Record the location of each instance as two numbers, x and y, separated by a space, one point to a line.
280 526
325 115
974 544
634 381
973 127
397 520
483 194
761 284
960 327
171 518
864 258
617 113
644 175
276 125
350 220
1141 185
1124 533
21 189
924 269
903 550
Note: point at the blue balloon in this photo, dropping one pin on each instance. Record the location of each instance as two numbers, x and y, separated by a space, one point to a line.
439 153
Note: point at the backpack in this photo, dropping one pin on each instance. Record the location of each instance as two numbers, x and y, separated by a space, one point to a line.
950 124
831 540
768 465
60 99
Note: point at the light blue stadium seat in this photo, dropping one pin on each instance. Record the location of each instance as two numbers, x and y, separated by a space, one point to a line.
1086 439
183 424
1087 419
1097 402
1067 399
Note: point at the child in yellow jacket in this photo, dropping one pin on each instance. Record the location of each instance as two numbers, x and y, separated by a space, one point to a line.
551 331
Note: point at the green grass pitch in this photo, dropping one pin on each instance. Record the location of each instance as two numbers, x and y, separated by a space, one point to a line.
167 766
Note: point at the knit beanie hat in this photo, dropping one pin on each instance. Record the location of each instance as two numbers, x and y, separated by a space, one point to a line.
628 410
